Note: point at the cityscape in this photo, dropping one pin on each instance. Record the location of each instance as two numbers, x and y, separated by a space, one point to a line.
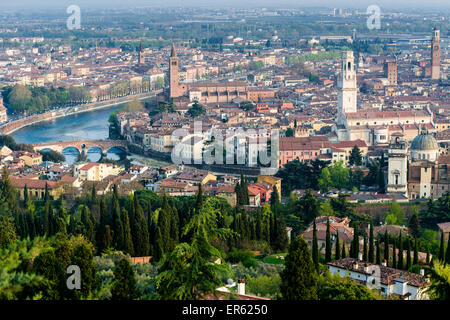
230 152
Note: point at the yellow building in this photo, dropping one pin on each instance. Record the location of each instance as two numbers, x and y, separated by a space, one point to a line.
94 171
273 181
36 187
31 158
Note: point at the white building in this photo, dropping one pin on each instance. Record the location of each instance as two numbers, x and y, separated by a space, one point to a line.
390 281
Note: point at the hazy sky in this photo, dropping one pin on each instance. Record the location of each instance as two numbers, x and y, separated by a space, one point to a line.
437 4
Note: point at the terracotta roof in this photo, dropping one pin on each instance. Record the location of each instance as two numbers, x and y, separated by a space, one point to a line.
32 183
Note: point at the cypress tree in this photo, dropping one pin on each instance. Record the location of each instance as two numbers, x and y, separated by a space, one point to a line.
416 252
282 241
107 237
328 243
441 248
428 256
365 256
141 236
239 197
337 255
93 194
259 225
118 235
386 246
394 254
371 243
355 244
25 195
86 220
408 253
315 247
127 238
344 254
199 202
400 264
274 197
299 278
378 256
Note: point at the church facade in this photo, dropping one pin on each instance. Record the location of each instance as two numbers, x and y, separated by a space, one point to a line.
371 125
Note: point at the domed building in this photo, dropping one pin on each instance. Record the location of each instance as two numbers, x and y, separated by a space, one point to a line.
424 147
428 172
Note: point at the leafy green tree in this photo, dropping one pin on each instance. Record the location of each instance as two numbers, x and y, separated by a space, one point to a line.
47 265
289 132
196 110
124 285
339 175
325 181
7 232
299 277
439 288
83 258
335 287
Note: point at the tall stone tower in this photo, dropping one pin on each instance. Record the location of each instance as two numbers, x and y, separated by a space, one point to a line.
435 55
390 72
346 86
141 59
174 89
397 165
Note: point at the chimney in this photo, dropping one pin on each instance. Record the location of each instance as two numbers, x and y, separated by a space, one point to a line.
366 267
384 263
360 256
356 265
241 286
422 272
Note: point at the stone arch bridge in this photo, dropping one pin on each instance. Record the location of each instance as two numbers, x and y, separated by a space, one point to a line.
80 145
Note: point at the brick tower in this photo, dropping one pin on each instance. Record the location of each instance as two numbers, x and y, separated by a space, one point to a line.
141 58
435 55
175 90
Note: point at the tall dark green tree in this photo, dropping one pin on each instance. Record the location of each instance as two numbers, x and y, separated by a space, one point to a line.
140 237
408 253
441 248
315 247
355 156
365 254
344 254
378 254
416 252
127 237
299 277
394 253
414 225
328 243
337 255
371 242
386 246
124 285
400 264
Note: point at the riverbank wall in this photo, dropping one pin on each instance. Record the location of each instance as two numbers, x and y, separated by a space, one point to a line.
13 126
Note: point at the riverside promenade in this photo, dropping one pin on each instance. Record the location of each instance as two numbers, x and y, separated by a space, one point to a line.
15 125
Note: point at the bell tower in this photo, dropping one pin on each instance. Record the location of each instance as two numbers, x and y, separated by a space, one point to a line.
141 59
435 55
346 86
174 90
397 165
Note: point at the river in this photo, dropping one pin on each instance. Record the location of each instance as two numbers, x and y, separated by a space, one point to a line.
92 125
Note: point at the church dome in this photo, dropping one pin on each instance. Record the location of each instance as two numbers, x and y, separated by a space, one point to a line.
424 141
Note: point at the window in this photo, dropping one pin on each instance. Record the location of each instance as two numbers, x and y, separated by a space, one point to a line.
396 179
